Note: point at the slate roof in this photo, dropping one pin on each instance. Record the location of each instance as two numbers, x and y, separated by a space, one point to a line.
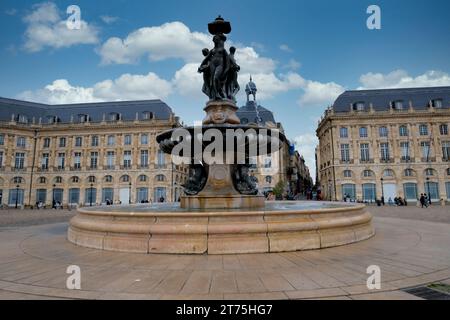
95 110
381 98
251 110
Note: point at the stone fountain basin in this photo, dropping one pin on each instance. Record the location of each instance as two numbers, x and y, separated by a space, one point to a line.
167 228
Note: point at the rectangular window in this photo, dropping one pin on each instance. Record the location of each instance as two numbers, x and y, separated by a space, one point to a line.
383 131
127 140
110 159
94 160
369 192
15 197
2 139
364 148
161 158
447 188
363 132
425 146
19 162
1 159
94 141
61 160
62 142
45 161
345 152
78 141
77 160
127 159
349 191
144 138
111 140
41 195
432 188
344 132
21 142
46 142
410 190
443 129
144 158
403 131
423 130
384 148
404 146
74 196
446 150
107 194
90 196
142 195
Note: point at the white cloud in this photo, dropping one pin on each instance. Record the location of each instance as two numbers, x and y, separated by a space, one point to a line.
170 40
109 19
306 144
46 28
320 94
401 79
285 47
292 65
125 87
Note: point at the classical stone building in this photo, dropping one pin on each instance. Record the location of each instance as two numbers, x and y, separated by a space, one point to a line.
391 142
284 165
83 154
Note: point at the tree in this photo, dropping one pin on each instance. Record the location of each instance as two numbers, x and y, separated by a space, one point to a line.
278 190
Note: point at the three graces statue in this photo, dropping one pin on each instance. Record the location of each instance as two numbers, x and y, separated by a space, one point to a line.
219 68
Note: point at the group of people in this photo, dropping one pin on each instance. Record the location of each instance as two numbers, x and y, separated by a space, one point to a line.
398 201
424 200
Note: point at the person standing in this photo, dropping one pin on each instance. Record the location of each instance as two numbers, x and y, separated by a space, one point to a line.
422 200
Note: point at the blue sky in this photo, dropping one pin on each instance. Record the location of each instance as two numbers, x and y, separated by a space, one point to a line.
301 54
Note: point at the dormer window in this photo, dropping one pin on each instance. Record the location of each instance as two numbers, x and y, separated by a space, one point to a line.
358 106
83 118
21 118
114 116
147 115
436 103
397 105
52 119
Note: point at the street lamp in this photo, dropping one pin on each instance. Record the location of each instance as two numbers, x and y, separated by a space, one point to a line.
428 187
382 191
90 195
129 193
53 197
17 195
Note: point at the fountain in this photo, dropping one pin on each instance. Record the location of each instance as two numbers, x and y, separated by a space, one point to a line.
221 211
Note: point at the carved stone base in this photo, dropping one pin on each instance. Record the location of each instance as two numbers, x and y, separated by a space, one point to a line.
220 112
222 202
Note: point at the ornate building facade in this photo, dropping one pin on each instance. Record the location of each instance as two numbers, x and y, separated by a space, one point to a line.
86 154
390 142
285 165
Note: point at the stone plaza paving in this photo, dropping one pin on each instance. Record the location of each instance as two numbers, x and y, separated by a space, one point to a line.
411 246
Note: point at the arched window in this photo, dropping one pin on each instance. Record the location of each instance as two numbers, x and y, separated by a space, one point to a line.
409 172
160 177
268 179
358 106
347 173
114 116
108 179
388 173
75 179
142 178
448 171
83 118
42 180
92 179
125 178
58 180
368 173
429 172
18 180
